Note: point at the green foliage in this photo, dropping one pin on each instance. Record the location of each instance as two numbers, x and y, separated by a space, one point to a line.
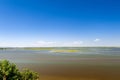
9 71
29 75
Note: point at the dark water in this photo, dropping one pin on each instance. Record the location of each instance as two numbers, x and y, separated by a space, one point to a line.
88 64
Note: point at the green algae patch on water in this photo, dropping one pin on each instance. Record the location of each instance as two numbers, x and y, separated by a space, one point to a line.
65 51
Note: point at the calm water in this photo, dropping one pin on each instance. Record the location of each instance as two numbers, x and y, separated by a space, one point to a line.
88 64
41 56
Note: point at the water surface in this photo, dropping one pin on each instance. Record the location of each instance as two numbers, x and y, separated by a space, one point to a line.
87 64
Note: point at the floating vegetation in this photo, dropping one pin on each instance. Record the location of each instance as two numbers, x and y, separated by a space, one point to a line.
65 51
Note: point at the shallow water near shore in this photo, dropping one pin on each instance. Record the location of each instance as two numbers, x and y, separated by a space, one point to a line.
91 64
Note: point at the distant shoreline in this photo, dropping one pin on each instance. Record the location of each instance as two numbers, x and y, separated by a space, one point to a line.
67 47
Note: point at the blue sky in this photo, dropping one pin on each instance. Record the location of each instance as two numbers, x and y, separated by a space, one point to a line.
59 23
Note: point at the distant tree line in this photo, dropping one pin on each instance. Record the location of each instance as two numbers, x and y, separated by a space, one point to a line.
9 71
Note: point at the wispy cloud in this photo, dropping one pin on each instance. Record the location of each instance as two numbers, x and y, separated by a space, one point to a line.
57 44
78 42
97 40
41 43
12 44
45 43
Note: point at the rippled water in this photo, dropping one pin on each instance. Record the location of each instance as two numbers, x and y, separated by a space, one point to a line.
37 56
88 63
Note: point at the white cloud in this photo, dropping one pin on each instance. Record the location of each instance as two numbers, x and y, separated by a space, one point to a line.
12 44
57 44
41 44
46 42
78 42
97 40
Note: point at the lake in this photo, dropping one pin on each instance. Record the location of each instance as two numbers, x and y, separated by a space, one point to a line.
90 63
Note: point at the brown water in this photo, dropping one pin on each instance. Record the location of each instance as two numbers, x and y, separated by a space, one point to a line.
68 66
